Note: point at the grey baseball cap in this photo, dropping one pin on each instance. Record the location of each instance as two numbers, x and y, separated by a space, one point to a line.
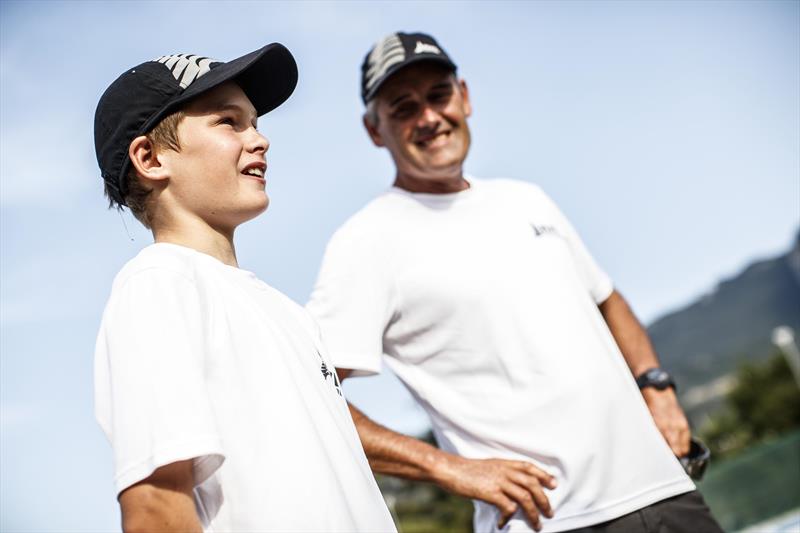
392 53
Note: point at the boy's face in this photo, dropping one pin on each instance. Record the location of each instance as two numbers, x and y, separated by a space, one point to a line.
218 173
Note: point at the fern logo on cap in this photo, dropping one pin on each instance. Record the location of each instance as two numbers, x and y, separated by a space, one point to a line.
394 52
186 67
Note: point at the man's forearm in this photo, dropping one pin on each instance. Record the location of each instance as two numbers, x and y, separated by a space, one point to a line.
631 337
395 454
508 485
639 354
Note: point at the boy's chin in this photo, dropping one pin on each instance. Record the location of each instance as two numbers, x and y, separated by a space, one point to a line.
244 213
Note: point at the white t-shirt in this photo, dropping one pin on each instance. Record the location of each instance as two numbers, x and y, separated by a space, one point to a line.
199 360
484 303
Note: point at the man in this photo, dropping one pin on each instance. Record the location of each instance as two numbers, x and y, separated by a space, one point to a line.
489 308
211 385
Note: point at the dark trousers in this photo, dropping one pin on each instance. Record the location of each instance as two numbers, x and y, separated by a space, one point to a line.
686 513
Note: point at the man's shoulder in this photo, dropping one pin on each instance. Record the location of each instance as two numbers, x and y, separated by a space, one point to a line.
508 185
371 220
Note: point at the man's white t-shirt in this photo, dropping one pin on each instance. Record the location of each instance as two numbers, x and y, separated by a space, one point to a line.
484 303
199 360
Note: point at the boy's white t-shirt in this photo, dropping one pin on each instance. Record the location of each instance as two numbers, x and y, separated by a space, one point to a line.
484 303
199 360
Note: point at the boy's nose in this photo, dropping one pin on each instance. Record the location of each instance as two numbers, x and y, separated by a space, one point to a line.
258 143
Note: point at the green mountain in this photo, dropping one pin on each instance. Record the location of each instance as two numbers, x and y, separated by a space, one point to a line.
713 335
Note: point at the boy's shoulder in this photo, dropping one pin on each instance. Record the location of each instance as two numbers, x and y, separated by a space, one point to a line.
159 258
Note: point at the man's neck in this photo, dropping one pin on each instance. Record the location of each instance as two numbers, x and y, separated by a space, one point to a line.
445 185
200 237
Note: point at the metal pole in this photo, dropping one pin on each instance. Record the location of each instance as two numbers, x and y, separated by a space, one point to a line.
783 338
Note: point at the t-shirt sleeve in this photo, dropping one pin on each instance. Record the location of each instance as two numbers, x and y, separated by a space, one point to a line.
594 278
151 395
352 302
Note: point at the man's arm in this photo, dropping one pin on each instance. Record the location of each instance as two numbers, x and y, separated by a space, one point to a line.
638 352
162 502
508 485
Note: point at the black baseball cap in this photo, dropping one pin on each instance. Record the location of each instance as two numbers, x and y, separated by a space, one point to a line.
395 51
143 95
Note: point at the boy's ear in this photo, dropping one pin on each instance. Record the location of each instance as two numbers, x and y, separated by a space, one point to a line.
144 158
373 132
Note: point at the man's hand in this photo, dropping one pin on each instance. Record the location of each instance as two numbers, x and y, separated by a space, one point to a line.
669 418
508 485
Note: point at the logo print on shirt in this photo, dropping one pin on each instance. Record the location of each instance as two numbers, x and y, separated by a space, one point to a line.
543 229
327 373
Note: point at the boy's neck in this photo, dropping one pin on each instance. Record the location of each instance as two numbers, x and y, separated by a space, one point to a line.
206 240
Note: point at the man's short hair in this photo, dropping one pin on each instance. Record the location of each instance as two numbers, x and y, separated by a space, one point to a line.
371 113
164 136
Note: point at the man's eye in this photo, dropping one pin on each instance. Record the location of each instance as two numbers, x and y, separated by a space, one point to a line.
227 120
405 111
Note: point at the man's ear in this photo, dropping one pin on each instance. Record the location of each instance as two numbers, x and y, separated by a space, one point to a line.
373 132
144 158
462 86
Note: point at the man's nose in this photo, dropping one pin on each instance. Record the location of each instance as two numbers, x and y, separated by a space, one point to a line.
428 117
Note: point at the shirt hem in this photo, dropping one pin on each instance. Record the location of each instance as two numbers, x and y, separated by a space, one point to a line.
598 516
358 369
207 455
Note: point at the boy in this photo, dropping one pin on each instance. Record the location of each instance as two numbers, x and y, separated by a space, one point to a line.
213 388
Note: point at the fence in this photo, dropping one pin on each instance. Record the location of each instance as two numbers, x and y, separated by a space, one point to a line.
761 483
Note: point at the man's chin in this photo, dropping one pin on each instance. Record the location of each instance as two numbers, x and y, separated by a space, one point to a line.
442 167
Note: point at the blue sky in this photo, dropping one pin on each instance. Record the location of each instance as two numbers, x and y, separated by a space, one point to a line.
668 132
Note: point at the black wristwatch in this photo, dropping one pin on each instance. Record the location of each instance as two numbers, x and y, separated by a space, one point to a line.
656 378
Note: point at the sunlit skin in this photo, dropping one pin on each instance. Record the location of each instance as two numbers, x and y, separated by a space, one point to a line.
422 120
215 181
219 143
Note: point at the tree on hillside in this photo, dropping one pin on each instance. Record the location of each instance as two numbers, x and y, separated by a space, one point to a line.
765 403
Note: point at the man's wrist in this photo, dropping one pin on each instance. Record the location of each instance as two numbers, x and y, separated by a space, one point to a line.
655 378
443 468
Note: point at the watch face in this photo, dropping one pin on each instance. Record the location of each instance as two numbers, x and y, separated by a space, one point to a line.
656 378
659 378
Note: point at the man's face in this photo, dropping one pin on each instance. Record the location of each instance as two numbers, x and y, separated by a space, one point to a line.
422 120
218 173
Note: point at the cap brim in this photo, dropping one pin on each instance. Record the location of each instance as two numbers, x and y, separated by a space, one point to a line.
267 76
400 66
